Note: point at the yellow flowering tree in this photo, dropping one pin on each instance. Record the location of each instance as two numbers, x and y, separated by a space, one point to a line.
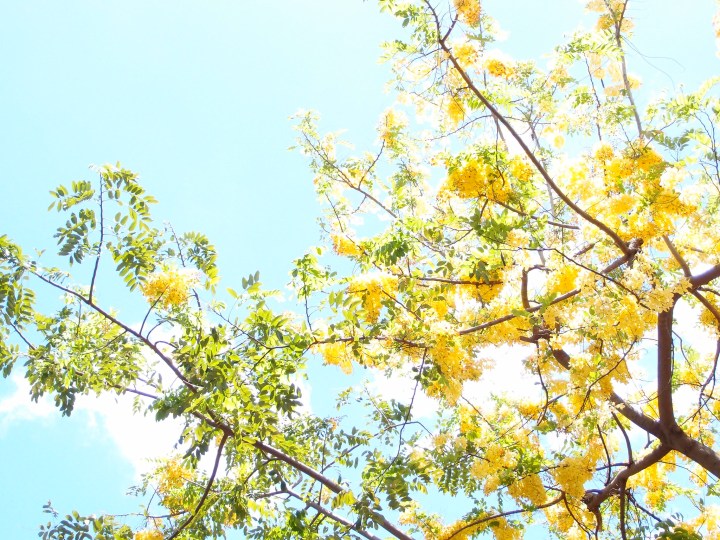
533 254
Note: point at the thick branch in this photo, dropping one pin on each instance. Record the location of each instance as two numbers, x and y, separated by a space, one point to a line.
665 369
705 277
695 450
312 473
324 511
594 500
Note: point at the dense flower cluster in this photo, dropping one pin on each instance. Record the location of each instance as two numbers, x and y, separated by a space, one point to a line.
169 288
373 289
468 10
342 245
153 534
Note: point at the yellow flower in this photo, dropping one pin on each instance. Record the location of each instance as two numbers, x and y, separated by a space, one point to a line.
148 535
169 288
455 111
373 288
475 179
171 476
563 280
604 152
530 488
342 245
337 354
605 22
521 169
468 11
497 68
572 473
465 54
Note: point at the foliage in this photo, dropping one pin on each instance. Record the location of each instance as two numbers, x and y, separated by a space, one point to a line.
524 211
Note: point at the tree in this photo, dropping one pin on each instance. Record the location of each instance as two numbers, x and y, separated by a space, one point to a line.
479 234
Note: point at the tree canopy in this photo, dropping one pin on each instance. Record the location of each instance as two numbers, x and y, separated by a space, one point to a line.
561 213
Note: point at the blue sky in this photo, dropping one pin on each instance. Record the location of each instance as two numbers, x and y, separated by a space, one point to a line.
195 96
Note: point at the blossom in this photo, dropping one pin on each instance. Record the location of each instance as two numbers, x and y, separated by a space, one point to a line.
465 53
455 111
475 179
148 535
343 245
169 288
468 11
372 289
391 124
498 68
337 354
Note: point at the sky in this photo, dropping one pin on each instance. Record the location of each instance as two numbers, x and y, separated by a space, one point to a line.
196 98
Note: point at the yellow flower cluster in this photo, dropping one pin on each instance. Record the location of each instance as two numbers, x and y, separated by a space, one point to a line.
573 472
460 530
529 487
455 111
342 245
653 479
604 152
169 288
337 354
171 476
709 519
521 169
455 363
465 54
497 68
605 22
148 535
563 280
468 10
448 356
497 460
503 531
476 179
649 160
707 318
480 291
372 288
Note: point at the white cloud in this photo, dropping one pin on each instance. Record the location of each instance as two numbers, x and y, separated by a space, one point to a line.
138 438
18 407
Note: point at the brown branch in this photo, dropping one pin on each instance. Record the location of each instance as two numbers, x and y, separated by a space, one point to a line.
665 369
298 465
705 277
205 494
100 243
505 514
677 256
324 511
593 500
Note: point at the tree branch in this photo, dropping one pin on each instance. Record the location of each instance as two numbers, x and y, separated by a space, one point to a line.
205 494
